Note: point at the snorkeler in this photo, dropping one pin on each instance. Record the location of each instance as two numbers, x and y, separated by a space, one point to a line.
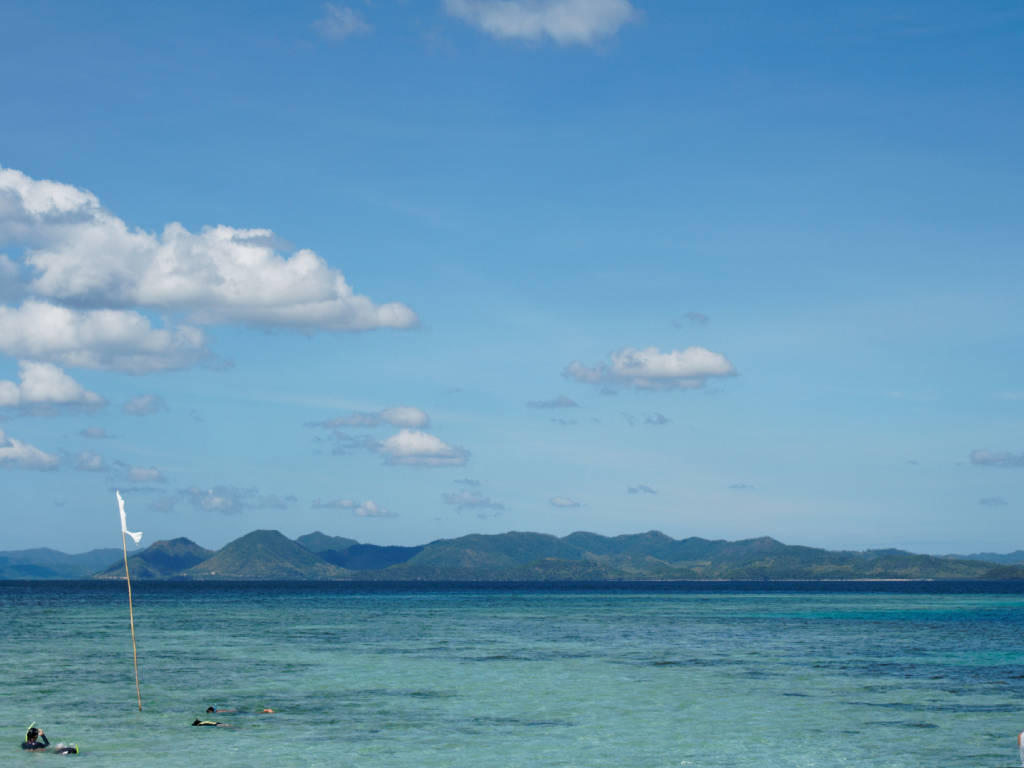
215 708
197 721
35 738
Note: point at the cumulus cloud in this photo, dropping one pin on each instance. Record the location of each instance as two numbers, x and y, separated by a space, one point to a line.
14 453
82 254
144 405
564 502
105 339
340 22
422 449
368 508
398 416
561 401
1003 459
992 501
230 500
651 368
45 384
87 461
641 488
564 21
471 500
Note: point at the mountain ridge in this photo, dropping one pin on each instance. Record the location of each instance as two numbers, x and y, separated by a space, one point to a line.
520 556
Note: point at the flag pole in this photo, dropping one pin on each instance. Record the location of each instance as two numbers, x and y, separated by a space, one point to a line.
131 613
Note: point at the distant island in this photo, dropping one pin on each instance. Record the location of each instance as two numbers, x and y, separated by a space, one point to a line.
513 556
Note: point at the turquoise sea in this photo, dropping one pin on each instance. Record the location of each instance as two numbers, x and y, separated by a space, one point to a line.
638 675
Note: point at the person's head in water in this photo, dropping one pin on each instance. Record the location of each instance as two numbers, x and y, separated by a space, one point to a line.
32 734
211 709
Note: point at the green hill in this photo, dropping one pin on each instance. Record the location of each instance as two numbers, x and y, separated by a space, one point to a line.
161 560
265 555
321 542
46 563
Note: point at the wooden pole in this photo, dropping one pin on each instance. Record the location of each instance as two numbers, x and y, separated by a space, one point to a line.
131 619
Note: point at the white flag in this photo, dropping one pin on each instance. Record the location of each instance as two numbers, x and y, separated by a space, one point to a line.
136 537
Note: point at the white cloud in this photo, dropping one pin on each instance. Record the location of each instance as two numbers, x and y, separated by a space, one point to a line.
651 368
371 509
1001 459
564 502
82 253
564 21
101 338
471 500
339 22
368 508
87 461
405 416
14 453
45 384
422 449
144 405
145 475
229 500
399 416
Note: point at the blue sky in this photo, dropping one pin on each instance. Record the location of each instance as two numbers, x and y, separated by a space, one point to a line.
402 271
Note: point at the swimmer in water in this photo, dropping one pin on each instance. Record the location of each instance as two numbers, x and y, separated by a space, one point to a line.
215 708
197 721
35 739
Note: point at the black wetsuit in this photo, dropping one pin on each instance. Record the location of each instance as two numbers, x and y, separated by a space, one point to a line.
41 743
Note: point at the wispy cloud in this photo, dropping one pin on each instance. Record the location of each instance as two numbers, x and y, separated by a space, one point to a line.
566 22
340 22
368 508
1002 459
144 405
992 501
641 488
562 401
87 461
470 500
398 416
564 502
651 368
692 318
231 500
